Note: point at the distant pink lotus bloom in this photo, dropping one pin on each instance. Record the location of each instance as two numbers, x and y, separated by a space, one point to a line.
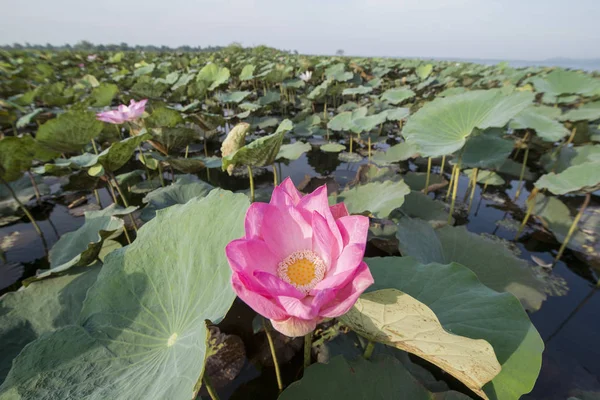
301 260
92 57
124 113
82 65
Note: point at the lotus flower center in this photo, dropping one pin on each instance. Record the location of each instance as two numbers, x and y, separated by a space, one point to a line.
302 269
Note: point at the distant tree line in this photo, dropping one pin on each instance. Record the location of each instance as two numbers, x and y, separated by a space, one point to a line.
85 45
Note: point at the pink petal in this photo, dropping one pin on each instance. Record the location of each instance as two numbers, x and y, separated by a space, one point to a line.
323 241
285 231
317 201
339 210
350 259
307 307
254 219
258 303
294 327
347 296
354 229
277 286
288 186
123 109
281 198
249 255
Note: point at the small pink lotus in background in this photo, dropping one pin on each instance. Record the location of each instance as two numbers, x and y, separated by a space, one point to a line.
301 260
82 65
124 113
92 57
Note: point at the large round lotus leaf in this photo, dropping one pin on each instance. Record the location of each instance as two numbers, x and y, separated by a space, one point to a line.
486 177
399 152
185 188
213 75
466 307
119 153
397 95
41 308
141 333
560 82
319 90
163 117
349 157
367 124
293 151
545 127
423 71
487 150
28 118
337 72
397 319
417 180
397 114
269 98
514 168
175 139
69 131
357 90
570 156
377 198
495 266
345 120
24 190
104 94
442 126
382 377
247 72
233 97
332 147
419 205
17 154
588 112
144 70
582 177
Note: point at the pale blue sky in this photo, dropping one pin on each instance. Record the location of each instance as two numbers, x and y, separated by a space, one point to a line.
509 29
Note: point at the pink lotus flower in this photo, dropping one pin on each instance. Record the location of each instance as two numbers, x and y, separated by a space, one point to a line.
123 113
301 261
92 57
82 65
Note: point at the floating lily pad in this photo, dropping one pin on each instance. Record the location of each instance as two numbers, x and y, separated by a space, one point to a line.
357 90
397 95
486 177
332 147
350 157
377 198
581 177
293 151
145 315
399 152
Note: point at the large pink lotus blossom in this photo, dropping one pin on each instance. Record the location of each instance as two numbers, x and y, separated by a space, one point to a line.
301 260
124 113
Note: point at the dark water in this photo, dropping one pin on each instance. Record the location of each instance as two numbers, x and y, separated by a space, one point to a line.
569 324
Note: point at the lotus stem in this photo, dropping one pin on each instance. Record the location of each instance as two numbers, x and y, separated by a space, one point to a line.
454 190
351 143
325 112
160 175
451 181
97 196
531 198
426 188
27 213
274 174
251 184
143 158
187 150
119 132
522 174
572 136
205 146
94 146
125 202
369 350
473 186
519 149
586 202
307 350
273 354
369 149
442 166
209 388
36 189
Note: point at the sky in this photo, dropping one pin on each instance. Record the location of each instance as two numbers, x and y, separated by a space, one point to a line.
485 29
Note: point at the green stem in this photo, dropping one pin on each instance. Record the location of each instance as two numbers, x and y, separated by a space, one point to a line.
274 355
531 199
454 190
351 143
451 181
586 202
125 202
442 166
369 149
187 150
369 350
307 350
251 183
275 175
160 175
473 186
38 196
94 146
426 188
97 196
522 174
209 387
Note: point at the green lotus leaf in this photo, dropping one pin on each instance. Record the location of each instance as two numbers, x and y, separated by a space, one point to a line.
397 319
175 139
163 117
345 121
144 70
142 332
561 82
247 72
397 114
486 177
249 106
588 112
213 75
269 98
182 82
17 155
69 131
119 153
41 308
81 247
104 94
350 157
319 90
398 152
114 210
545 127
377 198
423 71
293 151
417 180
357 90
442 126
582 177
337 72
332 147
570 156
452 91
397 95
265 122
419 205
24 190
260 152
367 124
185 188
487 150
495 266
467 308
28 118
382 377
233 97
514 168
